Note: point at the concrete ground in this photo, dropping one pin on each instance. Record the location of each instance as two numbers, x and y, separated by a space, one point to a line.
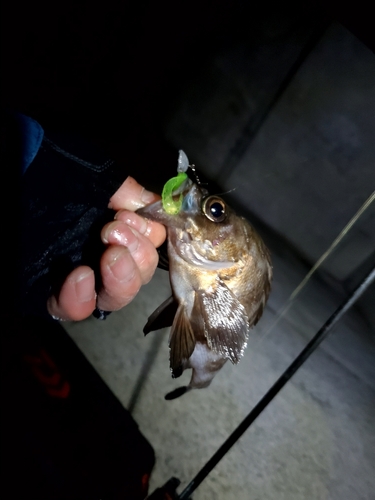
315 441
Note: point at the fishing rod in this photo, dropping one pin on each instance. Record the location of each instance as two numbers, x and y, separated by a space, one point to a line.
168 491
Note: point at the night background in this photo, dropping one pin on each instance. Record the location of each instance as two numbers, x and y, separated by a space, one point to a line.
276 101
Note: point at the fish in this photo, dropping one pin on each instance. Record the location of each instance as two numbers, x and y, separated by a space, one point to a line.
220 274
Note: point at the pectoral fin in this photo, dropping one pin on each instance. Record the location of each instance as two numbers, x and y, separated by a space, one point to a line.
162 317
225 321
182 341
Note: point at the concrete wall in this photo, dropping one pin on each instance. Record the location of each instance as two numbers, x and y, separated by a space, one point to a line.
311 164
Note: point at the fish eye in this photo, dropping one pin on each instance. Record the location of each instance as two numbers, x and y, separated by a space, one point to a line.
214 209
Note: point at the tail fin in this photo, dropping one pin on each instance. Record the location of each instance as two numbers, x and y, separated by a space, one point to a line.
177 393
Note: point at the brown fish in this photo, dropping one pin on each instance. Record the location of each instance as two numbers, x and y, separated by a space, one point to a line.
220 274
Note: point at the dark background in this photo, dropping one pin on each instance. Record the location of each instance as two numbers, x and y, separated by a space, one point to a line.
118 73
112 71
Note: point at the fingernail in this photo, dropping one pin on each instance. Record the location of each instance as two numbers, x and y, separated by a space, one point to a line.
134 221
119 265
84 287
111 234
118 233
147 196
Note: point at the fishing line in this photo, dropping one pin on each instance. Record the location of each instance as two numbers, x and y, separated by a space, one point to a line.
227 192
278 385
290 301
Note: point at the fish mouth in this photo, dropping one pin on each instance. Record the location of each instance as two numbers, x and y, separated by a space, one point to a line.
192 196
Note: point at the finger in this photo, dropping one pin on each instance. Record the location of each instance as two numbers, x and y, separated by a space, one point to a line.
140 247
77 298
131 195
154 231
121 279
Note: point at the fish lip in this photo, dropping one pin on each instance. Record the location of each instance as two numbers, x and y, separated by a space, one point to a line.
154 211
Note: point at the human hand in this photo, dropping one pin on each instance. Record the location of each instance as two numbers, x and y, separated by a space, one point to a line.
128 262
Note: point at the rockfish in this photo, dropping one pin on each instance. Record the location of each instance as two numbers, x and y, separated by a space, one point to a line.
220 275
